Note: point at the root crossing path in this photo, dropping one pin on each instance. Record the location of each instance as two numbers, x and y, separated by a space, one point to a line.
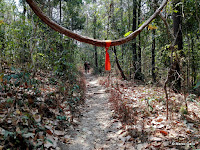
97 130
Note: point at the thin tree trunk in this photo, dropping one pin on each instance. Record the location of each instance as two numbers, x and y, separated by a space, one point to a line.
61 47
24 11
193 63
122 31
153 49
129 16
133 29
166 95
94 35
50 12
23 57
60 11
177 23
153 56
188 63
139 41
118 65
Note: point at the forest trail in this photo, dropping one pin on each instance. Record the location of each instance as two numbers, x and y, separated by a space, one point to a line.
97 129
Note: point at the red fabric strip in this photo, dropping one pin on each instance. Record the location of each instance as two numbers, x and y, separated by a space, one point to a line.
107 58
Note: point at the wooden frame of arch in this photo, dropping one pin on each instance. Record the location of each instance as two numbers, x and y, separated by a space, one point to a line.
85 39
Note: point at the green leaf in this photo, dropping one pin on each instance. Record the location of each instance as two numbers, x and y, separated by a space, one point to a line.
27 135
197 85
128 33
49 141
1 22
175 11
8 133
61 117
9 100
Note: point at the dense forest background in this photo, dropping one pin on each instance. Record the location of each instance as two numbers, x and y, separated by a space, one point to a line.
33 57
26 40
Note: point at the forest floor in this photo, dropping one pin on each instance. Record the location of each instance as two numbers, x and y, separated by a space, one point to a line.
97 128
122 115
115 115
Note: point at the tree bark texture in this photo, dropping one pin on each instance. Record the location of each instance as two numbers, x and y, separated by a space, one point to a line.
118 65
153 49
177 23
133 29
94 35
153 56
139 41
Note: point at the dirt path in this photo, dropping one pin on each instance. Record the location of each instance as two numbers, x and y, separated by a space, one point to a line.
97 128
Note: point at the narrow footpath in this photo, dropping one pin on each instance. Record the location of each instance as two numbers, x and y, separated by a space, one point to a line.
97 129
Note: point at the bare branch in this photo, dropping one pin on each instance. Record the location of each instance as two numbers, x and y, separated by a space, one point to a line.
169 31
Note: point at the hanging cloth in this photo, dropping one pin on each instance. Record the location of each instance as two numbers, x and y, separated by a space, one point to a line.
107 58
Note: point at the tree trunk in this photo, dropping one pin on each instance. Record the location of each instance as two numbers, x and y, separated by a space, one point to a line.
50 11
122 30
94 35
129 16
193 63
153 48
24 11
60 11
23 52
61 46
153 56
177 23
139 41
133 29
118 65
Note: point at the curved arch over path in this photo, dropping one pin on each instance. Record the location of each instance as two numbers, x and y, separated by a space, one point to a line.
85 39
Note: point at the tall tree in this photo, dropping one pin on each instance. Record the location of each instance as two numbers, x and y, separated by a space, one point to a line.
177 27
153 48
122 28
153 55
23 51
194 74
118 65
133 29
94 35
139 39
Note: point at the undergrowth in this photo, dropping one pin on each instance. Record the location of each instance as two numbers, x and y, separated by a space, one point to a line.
36 111
142 112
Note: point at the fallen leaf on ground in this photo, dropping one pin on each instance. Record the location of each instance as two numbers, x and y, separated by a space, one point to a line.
165 133
49 132
59 133
159 120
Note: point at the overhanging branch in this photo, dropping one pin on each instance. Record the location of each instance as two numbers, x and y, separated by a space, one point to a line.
85 39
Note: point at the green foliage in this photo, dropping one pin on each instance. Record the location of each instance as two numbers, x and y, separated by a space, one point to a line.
61 117
197 85
183 110
20 78
139 76
191 24
128 33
